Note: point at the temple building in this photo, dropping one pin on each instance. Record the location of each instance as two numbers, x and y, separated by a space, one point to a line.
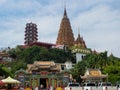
31 37
93 75
31 34
46 73
65 35
5 57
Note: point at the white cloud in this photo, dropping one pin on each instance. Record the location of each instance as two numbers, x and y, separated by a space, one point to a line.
2 1
98 22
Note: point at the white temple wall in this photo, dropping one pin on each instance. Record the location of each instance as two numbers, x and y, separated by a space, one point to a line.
79 57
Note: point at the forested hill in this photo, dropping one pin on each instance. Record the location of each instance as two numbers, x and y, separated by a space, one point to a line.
22 56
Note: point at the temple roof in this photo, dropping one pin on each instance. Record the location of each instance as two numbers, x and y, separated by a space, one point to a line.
51 63
81 50
43 44
93 73
37 65
4 54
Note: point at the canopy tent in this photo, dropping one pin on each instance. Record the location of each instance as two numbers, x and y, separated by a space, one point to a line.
10 80
1 83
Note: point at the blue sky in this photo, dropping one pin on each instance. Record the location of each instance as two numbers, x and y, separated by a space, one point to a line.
98 20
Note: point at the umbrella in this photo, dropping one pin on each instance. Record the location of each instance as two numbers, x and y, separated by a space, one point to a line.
1 82
10 80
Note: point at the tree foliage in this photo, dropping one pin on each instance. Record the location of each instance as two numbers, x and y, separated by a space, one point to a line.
107 65
28 55
4 71
23 56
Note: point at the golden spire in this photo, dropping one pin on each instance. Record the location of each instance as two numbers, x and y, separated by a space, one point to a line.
65 35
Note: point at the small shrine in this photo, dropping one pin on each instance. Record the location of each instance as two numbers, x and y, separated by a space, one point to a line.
93 75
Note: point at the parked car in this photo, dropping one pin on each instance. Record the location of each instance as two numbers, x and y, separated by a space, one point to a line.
105 84
72 86
89 84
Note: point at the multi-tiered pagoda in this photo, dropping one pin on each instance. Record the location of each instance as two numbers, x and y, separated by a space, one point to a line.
65 35
31 34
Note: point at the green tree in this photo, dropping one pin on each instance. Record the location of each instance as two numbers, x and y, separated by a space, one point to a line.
4 71
79 69
113 69
107 65
28 55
